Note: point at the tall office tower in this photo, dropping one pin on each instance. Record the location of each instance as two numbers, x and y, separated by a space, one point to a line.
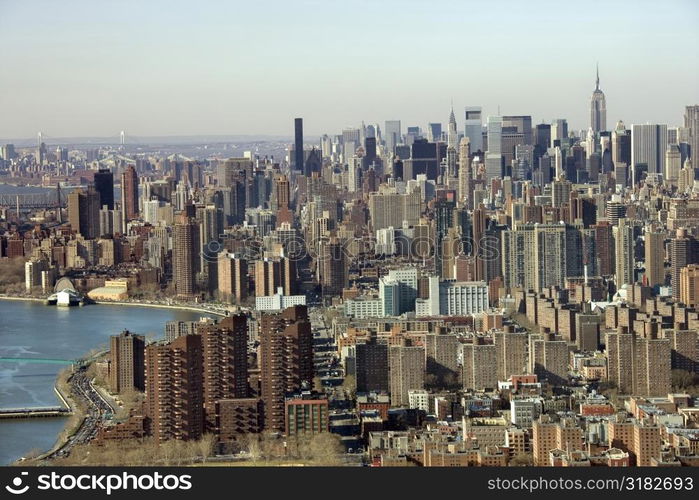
232 277
478 227
654 257
185 256
371 366
129 194
542 139
354 174
614 211
298 146
406 365
473 128
233 170
126 362
648 145
465 174
434 132
225 358
493 158
444 220
391 209
691 122
211 224
282 192
511 354
684 250
519 127
104 184
621 145
686 177
452 135
174 389
624 246
7 152
673 164
560 192
84 212
332 266
559 130
479 364
286 360
689 285
392 135
598 109
548 359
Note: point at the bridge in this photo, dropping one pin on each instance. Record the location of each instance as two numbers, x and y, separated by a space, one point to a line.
45 361
49 199
48 411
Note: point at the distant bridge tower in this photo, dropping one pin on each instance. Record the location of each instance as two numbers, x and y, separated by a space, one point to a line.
59 211
122 138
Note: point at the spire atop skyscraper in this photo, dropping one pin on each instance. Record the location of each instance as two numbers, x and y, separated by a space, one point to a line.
598 108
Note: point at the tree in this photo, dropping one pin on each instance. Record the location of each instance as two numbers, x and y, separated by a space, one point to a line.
521 460
206 446
12 275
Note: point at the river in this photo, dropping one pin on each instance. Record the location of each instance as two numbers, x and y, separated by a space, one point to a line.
33 330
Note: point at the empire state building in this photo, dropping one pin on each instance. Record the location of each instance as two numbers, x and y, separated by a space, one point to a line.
598 109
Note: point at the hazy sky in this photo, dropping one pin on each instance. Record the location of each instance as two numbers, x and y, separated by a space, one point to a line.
93 68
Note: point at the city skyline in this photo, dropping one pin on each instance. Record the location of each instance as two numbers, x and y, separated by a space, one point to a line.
361 74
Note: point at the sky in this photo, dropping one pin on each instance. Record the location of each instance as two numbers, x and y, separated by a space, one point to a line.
156 68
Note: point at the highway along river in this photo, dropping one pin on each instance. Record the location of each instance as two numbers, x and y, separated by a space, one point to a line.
38 332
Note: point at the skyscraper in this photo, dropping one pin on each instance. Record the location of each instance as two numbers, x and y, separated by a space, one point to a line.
104 184
654 257
648 145
406 372
452 135
298 145
371 366
126 362
224 347
624 246
479 366
232 277
129 194
185 256
493 158
392 134
174 389
84 212
286 360
598 109
474 128
691 121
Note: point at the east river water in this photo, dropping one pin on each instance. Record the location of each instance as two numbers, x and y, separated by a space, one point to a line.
33 330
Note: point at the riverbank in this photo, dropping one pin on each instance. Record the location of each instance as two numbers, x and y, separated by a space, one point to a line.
178 307
161 306
35 331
